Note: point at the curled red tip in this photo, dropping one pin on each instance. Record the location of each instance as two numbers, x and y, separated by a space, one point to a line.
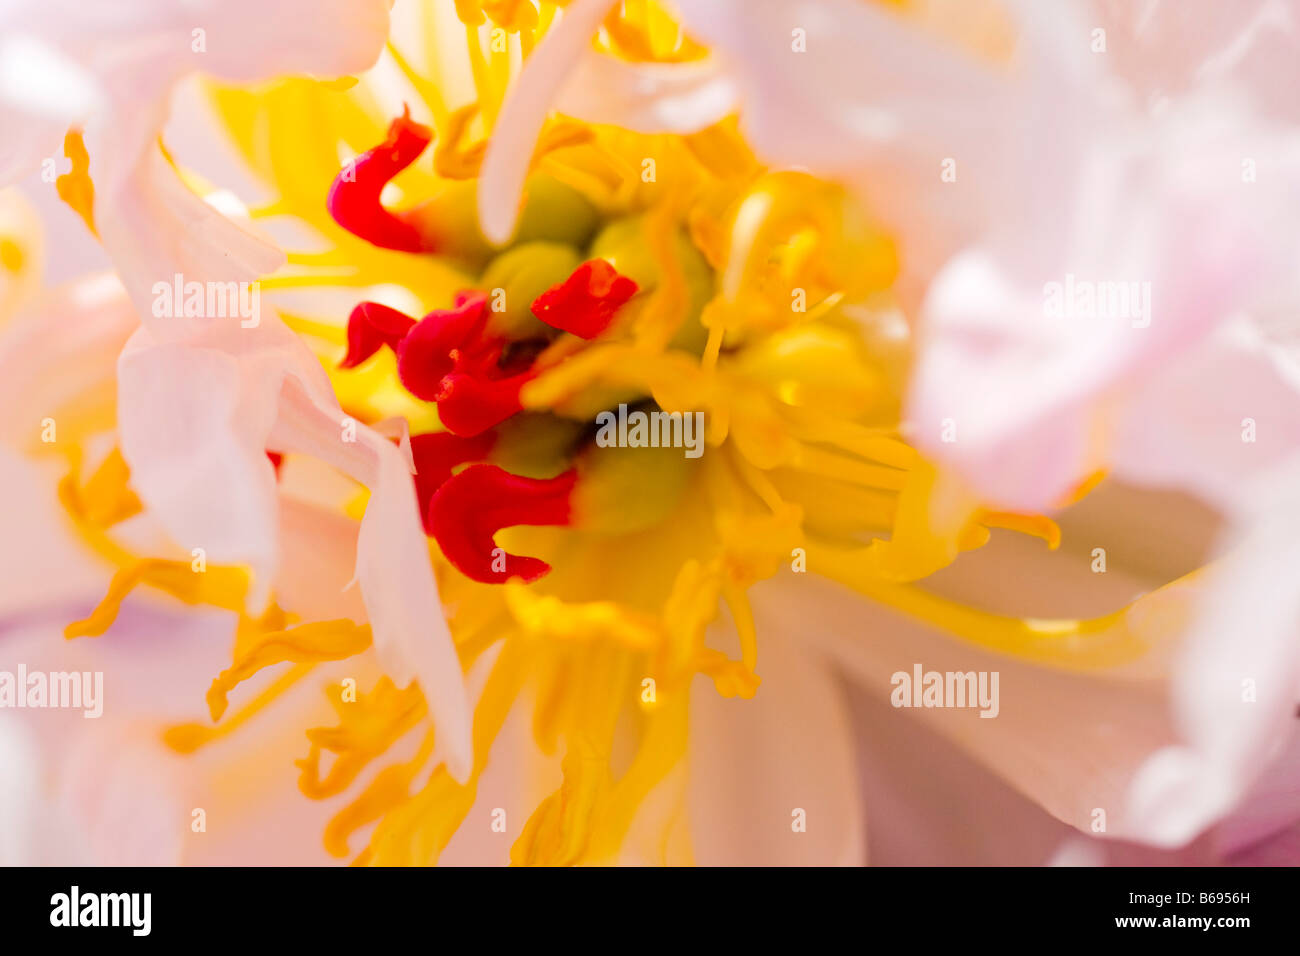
584 303
371 326
471 402
435 455
354 201
424 355
473 505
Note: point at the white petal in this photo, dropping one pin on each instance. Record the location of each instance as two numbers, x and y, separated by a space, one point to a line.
647 97
196 421
1210 423
754 764
510 150
1238 681
193 424
158 232
1069 742
111 69
20 793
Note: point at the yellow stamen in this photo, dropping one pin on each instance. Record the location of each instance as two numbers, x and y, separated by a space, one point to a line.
306 643
76 188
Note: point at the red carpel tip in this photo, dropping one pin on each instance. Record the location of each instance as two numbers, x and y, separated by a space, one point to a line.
472 506
354 197
584 304
435 455
372 326
424 356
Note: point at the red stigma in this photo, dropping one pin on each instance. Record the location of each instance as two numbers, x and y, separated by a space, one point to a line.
371 326
435 455
584 304
354 196
424 356
473 505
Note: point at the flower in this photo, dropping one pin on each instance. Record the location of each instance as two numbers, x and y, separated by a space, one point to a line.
660 429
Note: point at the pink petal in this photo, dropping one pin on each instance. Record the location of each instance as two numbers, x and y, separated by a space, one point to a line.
1238 680
753 763
196 421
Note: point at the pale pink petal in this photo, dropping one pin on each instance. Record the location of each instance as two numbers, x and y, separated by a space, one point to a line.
193 424
1271 807
1211 422
46 567
510 151
20 793
196 421
1165 48
1013 393
158 233
1282 849
647 97
1238 682
1069 742
320 557
20 230
759 768
110 70
120 796
64 348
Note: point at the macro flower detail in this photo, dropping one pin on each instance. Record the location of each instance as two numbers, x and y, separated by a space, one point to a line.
659 431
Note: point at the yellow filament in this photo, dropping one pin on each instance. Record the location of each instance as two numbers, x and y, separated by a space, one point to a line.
189 737
306 643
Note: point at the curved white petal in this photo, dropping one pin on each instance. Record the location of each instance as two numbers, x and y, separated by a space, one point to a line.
1069 742
158 233
193 424
1238 682
510 150
1214 421
1020 382
647 97
196 421
110 69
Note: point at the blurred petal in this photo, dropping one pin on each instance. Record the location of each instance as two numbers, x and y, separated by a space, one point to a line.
58 360
1068 742
755 763
196 423
647 97
22 251
1238 681
110 70
1212 441
20 797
